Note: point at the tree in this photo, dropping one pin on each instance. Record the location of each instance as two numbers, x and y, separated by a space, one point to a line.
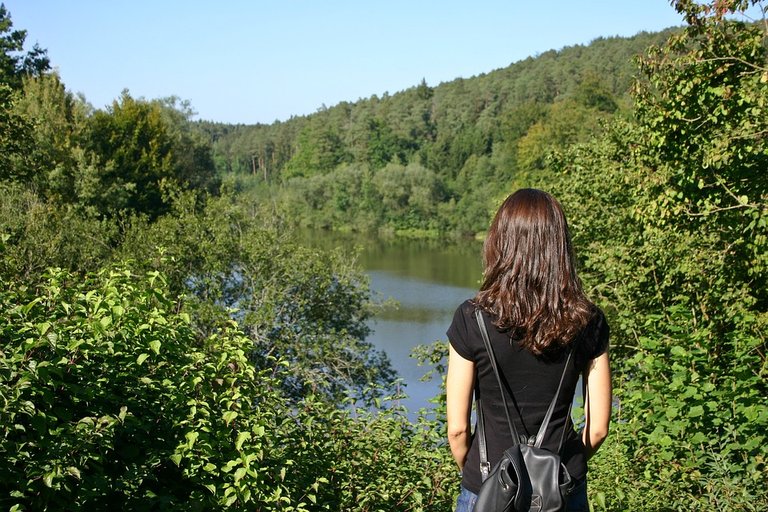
58 120
142 151
566 122
133 150
592 92
318 150
14 64
15 138
296 304
383 146
110 400
192 152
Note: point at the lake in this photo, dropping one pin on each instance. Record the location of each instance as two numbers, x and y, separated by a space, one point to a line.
428 279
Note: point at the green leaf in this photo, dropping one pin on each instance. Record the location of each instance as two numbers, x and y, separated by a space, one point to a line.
141 358
241 438
229 417
678 351
42 328
230 464
191 438
155 346
28 307
698 438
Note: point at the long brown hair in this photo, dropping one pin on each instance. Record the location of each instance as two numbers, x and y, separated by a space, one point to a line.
530 284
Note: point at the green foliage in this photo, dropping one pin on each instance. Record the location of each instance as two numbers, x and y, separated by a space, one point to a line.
306 307
92 375
318 150
366 462
672 220
40 234
383 146
328 169
57 121
564 123
396 197
134 157
110 399
15 138
224 366
14 63
703 109
592 92
192 155
129 158
229 263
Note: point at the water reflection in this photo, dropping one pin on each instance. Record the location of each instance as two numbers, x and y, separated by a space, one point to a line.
424 313
456 263
428 279
419 300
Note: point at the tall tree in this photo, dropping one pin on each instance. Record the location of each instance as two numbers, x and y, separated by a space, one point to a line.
15 138
57 120
133 150
14 63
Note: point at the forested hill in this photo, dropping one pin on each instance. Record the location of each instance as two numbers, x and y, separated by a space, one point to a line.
430 154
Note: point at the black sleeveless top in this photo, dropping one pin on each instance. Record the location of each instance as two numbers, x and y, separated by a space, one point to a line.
533 381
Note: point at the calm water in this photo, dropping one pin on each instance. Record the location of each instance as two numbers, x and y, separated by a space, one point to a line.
428 280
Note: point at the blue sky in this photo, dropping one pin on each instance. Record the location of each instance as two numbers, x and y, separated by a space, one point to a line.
261 60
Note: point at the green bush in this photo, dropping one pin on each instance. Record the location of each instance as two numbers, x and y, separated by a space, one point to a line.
96 378
110 399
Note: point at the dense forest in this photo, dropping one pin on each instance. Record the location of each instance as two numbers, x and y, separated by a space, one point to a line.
431 156
166 341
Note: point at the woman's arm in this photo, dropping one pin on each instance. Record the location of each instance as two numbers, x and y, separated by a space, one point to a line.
597 403
458 389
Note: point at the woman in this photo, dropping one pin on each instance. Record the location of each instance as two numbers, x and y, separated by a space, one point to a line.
536 313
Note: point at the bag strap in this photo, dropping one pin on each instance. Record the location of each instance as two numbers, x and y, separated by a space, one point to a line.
545 423
487 342
484 464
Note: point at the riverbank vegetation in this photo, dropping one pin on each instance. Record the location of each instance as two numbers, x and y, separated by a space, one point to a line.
166 342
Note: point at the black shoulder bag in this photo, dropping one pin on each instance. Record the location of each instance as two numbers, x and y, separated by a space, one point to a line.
528 477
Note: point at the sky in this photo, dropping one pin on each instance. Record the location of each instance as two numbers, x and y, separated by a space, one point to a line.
257 61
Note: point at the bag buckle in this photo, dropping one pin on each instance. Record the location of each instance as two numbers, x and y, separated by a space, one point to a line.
485 470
